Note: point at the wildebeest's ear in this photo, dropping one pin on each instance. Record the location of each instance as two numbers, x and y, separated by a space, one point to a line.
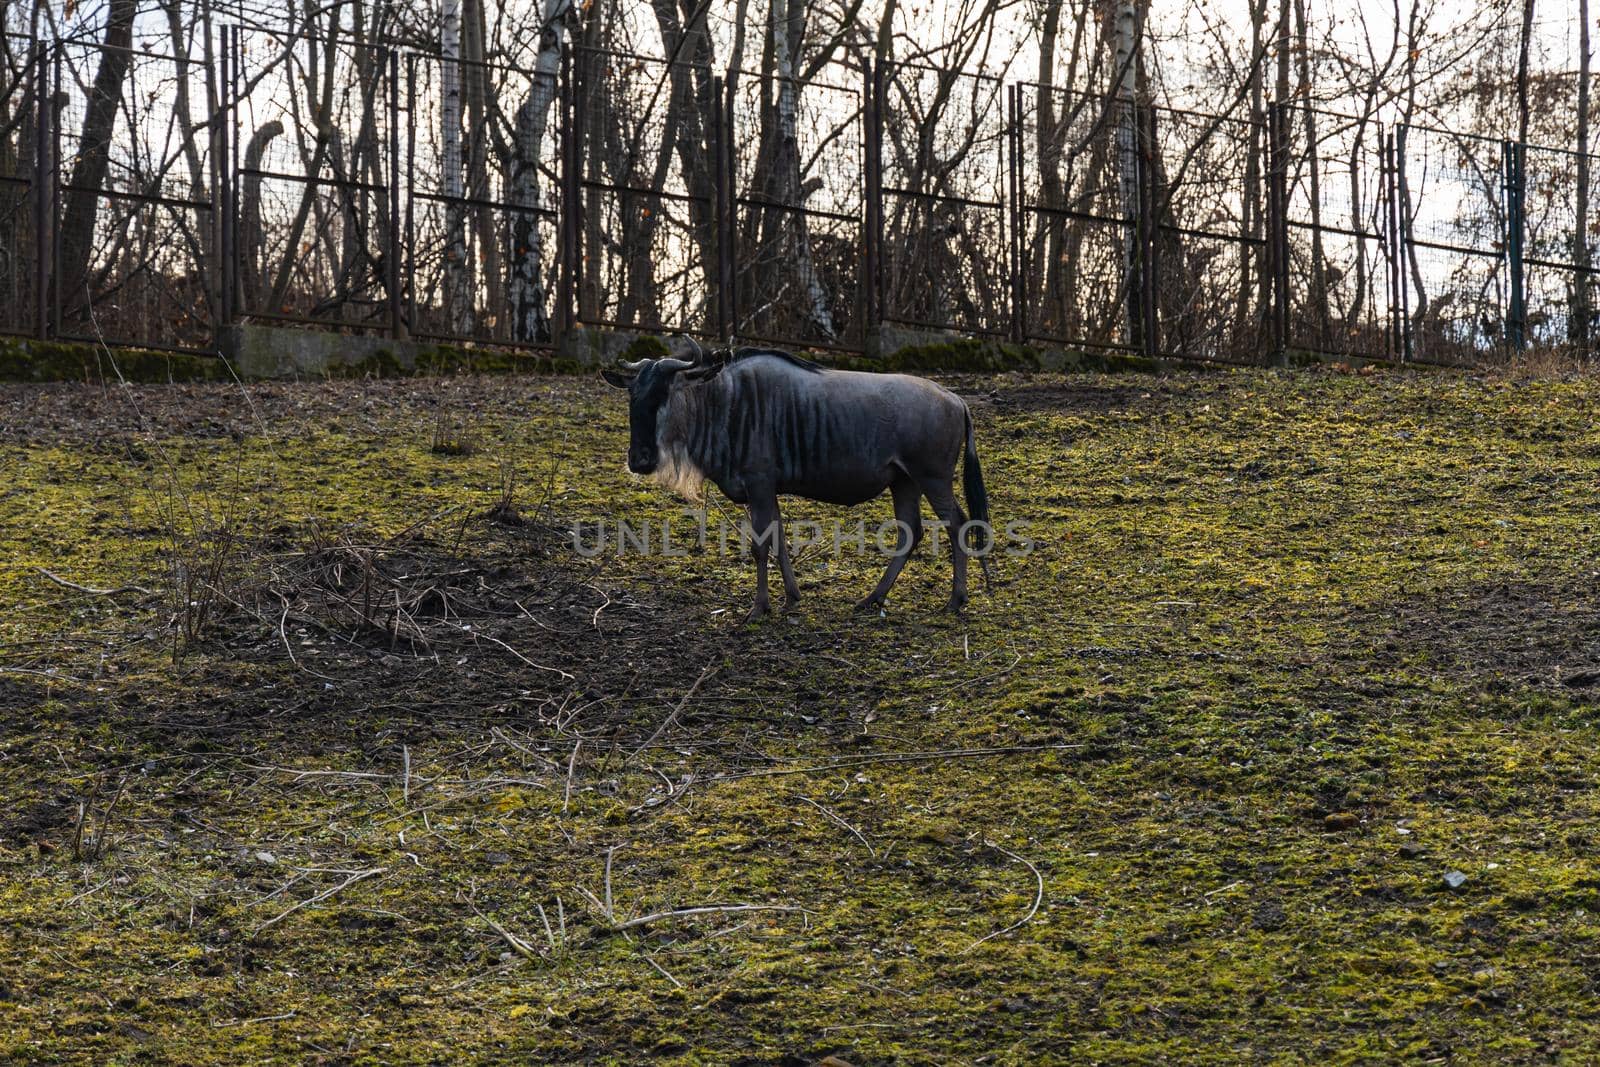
703 371
710 365
621 381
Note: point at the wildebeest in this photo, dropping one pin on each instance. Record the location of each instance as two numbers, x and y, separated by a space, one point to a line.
760 423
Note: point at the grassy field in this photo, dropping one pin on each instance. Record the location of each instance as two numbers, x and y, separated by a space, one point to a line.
1280 745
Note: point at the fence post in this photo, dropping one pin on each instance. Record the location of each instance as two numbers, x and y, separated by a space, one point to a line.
1402 231
872 208
221 184
1390 240
391 253
43 108
1015 216
1514 153
571 227
1149 224
714 136
411 200
1281 283
1399 291
54 182
235 94
721 208
1278 228
730 192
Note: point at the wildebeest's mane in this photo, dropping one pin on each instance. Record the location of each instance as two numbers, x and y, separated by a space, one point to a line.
723 358
798 361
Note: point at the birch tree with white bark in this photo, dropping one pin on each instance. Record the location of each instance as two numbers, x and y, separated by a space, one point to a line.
530 318
457 276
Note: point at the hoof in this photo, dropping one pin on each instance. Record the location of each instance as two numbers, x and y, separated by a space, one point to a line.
758 612
955 604
790 603
870 606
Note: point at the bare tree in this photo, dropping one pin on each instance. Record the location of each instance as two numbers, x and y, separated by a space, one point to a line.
1319 273
479 98
457 278
1524 45
252 235
786 231
1580 310
687 41
1129 20
1253 223
529 317
94 157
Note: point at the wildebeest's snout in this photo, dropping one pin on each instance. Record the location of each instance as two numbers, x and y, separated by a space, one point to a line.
642 459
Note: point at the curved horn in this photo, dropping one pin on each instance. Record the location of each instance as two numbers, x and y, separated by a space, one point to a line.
665 363
699 353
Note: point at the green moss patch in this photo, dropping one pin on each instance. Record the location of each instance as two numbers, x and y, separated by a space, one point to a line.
54 361
1280 743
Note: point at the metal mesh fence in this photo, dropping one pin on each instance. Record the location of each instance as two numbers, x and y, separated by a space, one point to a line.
1561 191
797 211
134 241
1208 262
1075 224
1139 227
1338 258
317 136
943 154
22 69
649 195
335 182
480 251
1453 205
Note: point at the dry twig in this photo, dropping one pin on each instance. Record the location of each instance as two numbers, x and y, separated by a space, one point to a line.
933 756
93 591
708 909
317 898
672 718
519 946
858 834
572 766
1038 899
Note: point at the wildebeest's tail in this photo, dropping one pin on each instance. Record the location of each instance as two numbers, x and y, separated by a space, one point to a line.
977 496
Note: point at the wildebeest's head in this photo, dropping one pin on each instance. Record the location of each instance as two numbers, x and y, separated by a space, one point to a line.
649 384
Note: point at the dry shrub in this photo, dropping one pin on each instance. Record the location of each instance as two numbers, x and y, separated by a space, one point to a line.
1551 361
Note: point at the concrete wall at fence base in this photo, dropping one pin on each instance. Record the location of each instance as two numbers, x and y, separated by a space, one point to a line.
287 352
589 346
280 352
257 351
904 348
254 351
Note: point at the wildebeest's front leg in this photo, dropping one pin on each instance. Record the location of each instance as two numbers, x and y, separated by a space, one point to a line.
764 530
942 497
908 517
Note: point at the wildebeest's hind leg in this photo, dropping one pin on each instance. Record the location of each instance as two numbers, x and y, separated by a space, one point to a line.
908 516
764 529
791 588
941 495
